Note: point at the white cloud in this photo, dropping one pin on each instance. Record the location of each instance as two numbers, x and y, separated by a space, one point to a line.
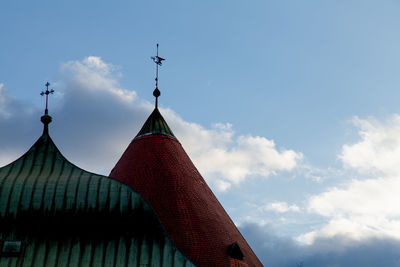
379 147
368 207
94 119
355 228
275 250
93 74
376 197
280 207
226 159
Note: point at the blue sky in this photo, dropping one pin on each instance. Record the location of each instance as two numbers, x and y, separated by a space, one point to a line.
288 108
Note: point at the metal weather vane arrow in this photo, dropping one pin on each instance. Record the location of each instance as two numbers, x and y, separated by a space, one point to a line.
158 60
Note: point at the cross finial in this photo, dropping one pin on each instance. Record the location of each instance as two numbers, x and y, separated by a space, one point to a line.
47 92
158 60
46 119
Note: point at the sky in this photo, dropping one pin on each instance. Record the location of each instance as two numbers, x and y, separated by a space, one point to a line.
289 109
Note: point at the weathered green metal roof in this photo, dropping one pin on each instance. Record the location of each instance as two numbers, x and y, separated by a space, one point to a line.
155 124
66 216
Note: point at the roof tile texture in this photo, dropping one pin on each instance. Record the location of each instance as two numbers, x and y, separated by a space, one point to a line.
66 216
158 168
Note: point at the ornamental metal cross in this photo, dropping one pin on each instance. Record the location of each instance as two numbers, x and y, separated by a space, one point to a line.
47 92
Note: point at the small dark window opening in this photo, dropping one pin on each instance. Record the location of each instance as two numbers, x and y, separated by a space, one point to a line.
235 252
11 248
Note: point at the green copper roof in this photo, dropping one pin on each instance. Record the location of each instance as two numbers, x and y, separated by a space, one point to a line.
43 181
155 124
63 215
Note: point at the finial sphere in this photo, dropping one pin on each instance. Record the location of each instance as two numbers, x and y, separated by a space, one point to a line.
45 119
156 92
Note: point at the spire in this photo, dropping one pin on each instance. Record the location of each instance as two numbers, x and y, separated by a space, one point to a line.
157 167
46 119
155 124
158 60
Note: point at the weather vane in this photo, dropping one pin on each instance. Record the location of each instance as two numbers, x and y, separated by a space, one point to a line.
158 60
47 92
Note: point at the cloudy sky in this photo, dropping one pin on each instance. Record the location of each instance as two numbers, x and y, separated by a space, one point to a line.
289 109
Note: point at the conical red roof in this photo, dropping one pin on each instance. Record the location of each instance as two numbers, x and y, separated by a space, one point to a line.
157 167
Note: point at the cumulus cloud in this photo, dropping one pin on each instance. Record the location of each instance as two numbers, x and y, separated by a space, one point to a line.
226 159
364 207
379 147
95 119
93 75
339 251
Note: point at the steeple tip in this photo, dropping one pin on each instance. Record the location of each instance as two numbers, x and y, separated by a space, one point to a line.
156 94
155 124
46 119
158 60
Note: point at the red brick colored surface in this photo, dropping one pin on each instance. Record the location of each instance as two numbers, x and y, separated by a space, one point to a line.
237 263
158 168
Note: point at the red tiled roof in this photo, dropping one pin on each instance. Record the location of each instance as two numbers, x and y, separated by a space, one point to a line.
158 168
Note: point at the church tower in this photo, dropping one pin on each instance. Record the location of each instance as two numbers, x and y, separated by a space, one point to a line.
158 168
154 209
53 213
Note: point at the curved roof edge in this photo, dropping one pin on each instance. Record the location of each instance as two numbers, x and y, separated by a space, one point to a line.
43 182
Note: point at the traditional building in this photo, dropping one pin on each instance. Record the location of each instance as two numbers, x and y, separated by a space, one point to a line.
157 167
154 209
53 213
